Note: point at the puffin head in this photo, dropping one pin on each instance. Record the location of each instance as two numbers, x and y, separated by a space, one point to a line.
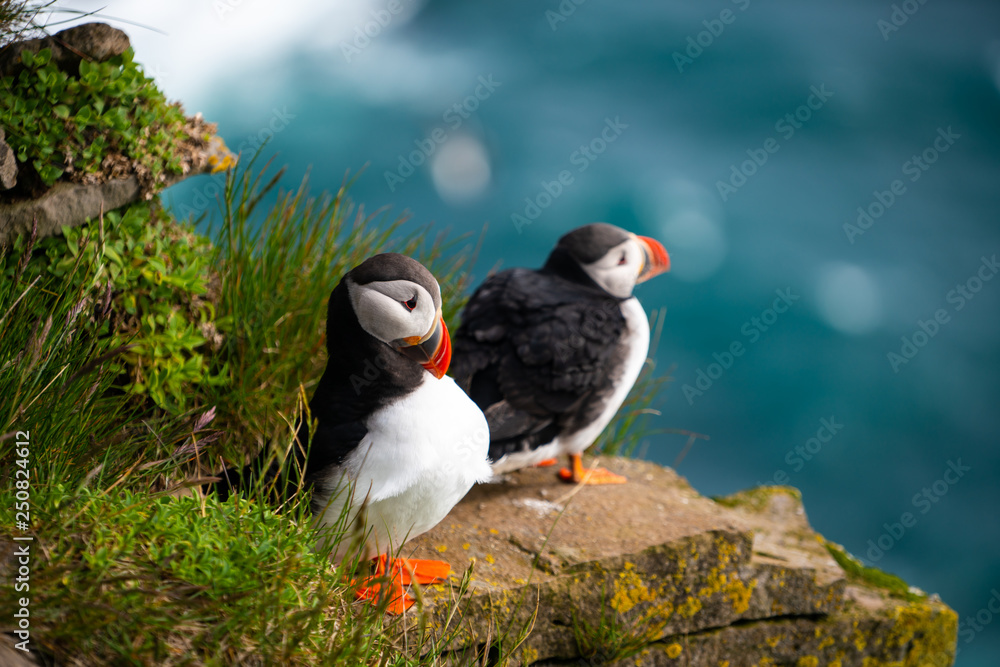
397 301
613 258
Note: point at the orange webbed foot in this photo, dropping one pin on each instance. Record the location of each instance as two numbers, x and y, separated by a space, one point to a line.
577 474
379 586
391 575
546 463
422 571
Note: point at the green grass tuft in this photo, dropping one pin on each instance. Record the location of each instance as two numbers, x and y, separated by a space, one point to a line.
860 573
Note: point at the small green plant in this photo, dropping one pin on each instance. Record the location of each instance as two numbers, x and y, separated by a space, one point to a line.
610 639
859 572
109 120
144 279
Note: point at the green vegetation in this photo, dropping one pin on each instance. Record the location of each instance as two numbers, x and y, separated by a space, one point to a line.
129 577
612 639
60 123
146 277
756 498
860 573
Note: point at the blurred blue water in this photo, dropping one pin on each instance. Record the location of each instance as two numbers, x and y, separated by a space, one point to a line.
554 85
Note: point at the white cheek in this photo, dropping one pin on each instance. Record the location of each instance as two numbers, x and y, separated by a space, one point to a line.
385 318
617 279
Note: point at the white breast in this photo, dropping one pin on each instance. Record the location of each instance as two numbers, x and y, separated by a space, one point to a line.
635 339
422 454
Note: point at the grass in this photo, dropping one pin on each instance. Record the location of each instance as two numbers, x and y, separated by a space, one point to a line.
20 19
612 639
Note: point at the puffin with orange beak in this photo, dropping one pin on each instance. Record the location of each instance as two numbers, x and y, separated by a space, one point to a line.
397 443
550 354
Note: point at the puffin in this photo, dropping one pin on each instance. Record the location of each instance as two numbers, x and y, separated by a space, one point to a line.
396 442
550 354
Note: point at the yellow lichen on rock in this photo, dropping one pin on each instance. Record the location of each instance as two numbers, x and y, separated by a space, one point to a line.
630 590
689 607
739 594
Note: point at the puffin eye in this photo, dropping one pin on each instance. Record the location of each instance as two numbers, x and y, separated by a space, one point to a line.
622 260
411 304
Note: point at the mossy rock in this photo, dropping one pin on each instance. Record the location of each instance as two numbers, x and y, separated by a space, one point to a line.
652 573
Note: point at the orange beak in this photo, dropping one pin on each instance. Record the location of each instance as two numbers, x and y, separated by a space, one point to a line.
433 351
655 260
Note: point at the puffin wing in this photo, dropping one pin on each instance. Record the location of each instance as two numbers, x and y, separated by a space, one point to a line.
533 349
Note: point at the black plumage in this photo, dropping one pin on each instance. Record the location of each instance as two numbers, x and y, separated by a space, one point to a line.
538 351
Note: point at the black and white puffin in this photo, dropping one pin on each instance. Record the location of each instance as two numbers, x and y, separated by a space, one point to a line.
396 441
550 354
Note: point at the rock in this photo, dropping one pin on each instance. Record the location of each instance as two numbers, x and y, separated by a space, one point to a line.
70 204
10 656
94 41
8 164
652 573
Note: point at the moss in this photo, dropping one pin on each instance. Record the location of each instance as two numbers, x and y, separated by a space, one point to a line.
757 498
859 573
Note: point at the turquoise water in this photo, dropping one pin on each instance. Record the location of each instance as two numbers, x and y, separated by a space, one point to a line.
826 179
